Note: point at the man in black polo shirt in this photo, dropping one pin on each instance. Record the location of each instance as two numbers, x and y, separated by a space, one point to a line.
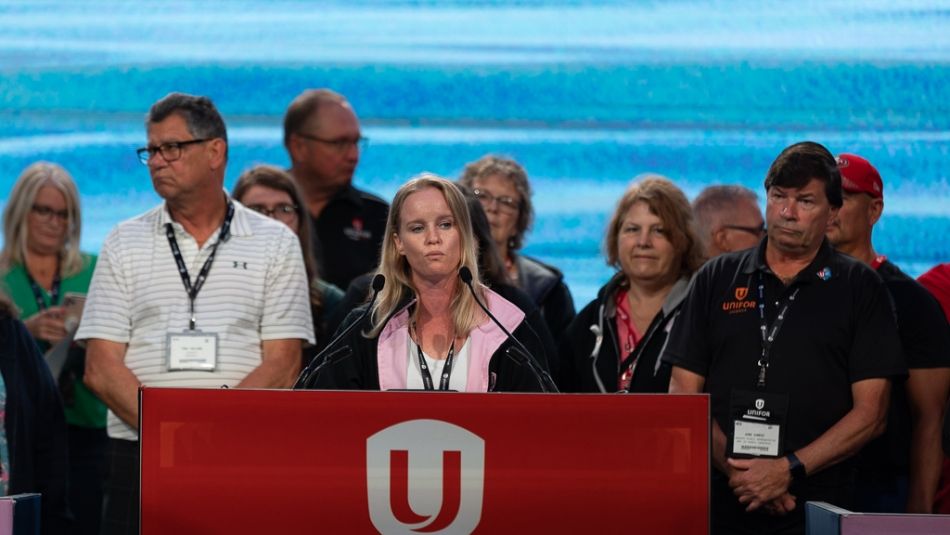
898 472
323 139
795 343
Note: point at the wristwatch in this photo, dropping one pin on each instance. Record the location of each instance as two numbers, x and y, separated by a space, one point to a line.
795 467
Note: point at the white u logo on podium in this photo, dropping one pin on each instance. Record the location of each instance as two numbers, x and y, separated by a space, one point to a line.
425 476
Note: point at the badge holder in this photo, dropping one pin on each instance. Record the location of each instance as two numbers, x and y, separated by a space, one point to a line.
758 424
192 351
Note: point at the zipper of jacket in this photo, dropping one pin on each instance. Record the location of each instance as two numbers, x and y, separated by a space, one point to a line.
637 351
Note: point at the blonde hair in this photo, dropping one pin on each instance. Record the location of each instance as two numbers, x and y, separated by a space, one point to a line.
18 209
398 272
669 203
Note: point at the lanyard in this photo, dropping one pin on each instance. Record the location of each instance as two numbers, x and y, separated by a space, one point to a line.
203 274
38 292
878 260
446 370
629 340
769 334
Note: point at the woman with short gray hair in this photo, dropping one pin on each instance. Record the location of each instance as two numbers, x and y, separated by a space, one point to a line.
502 186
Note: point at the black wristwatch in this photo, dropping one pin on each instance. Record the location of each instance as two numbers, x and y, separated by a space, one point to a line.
795 467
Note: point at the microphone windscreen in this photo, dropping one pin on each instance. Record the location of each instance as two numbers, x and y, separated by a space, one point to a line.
378 282
465 274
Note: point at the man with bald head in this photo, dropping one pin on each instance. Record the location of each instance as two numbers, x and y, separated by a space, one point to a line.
729 219
323 139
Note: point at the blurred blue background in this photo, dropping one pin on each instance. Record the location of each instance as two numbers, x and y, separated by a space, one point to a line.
585 94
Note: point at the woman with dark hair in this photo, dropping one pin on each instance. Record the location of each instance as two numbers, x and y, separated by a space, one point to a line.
615 342
502 187
43 270
426 330
272 192
33 455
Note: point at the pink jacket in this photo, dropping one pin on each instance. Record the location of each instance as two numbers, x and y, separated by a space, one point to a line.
485 340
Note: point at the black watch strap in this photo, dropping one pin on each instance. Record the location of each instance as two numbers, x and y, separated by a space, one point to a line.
795 467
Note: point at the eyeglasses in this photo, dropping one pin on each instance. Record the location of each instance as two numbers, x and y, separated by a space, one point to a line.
282 211
757 231
170 151
509 204
45 213
339 145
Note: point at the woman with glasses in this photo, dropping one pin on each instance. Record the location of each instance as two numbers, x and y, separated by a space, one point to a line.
615 342
502 187
42 268
425 330
272 192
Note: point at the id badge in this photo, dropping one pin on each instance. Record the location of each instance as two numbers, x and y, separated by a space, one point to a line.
192 350
758 424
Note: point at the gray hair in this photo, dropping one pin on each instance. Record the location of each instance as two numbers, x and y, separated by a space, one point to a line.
714 201
505 167
199 113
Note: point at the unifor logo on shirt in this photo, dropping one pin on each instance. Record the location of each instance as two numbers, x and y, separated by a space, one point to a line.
425 476
356 231
740 303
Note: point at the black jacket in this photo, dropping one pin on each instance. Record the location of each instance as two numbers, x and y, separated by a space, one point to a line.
591 342
544 284
35 425
357 367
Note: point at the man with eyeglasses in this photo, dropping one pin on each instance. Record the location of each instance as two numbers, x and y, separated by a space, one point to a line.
729 219
899 471
197 292
797 346
323 139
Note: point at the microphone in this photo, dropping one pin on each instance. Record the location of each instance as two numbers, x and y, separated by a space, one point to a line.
519 349
310 373
337 355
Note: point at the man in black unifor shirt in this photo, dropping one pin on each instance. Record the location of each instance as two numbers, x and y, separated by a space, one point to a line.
323 138
899 471
796 345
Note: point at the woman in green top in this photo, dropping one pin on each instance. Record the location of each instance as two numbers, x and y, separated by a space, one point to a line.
40 264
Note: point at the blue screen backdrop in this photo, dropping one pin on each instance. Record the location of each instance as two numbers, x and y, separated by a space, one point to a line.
586 95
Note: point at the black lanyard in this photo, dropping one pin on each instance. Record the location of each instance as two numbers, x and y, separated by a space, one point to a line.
769 334
38 292
446 370
203 274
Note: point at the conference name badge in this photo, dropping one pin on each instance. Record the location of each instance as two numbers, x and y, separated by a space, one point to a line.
758 424
192 351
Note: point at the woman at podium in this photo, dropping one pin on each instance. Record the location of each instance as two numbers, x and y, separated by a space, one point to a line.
615 342
426 329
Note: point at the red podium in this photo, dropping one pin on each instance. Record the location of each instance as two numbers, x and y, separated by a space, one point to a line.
256 461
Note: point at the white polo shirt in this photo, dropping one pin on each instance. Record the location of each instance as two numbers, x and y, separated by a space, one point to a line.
256 290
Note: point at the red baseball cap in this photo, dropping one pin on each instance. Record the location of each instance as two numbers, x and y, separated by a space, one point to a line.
859 176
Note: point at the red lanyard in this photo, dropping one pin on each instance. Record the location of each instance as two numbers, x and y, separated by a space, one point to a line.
628 338
878 260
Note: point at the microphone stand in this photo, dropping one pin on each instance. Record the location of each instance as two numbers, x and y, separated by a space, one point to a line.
519 349
325 357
